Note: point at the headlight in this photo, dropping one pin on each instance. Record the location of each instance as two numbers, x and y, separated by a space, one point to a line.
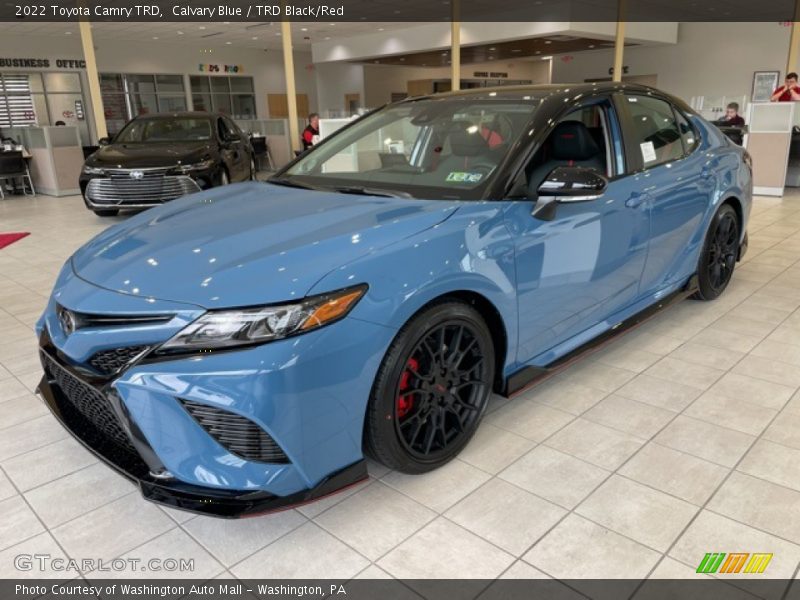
93 170
225 329
200 166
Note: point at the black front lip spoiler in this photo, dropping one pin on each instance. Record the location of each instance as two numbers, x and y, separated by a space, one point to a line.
175 494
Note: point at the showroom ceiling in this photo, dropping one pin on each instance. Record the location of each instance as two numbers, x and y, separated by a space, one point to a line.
531 47
242 35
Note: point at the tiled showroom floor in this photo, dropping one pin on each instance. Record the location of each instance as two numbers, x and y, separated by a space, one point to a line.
679 439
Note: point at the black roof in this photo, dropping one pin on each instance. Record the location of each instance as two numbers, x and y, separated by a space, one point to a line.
188 114
558 91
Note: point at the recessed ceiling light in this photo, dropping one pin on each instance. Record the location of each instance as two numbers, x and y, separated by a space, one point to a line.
67 33
304 29
380 28
327 37
332 24
227 22
492 48
202 27
277 33
228 43
591 45
548 42
180 33
255 37
155 37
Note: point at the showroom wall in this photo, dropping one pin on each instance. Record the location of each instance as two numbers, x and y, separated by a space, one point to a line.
709 59
334 80
266 68
381 81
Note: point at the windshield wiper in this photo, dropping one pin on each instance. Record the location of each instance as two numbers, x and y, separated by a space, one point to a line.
368 191
290 183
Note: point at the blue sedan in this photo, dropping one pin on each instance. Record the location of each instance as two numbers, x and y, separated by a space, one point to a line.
242 349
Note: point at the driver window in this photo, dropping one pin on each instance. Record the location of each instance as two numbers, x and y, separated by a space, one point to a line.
656 134
580 139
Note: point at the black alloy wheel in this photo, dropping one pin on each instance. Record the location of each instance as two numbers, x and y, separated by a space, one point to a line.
720 253
432 389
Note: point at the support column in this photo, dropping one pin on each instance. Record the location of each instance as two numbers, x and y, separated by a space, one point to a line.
291 92
455 47
619 47
98 112
794 43
619 40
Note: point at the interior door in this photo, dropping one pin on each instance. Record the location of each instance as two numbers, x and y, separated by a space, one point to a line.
278 106
581 267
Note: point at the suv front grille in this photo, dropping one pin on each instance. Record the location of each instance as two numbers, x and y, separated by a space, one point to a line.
89 401
154 187
236 434
109 362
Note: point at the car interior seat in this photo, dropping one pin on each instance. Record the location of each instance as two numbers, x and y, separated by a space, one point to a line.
570 144
468 149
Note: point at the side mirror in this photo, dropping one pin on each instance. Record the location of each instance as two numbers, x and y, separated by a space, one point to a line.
568 184
104 141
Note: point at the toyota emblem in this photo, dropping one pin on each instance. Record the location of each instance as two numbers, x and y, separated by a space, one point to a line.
137 175
67 320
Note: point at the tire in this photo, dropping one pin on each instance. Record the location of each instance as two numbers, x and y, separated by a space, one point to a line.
418 417
106 212
720 252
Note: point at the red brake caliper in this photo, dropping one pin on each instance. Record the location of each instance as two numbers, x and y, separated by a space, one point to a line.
405 402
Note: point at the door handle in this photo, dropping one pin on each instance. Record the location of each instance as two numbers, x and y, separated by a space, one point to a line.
636 199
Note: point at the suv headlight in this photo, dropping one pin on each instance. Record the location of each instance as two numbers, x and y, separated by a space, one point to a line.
200 166
93 170
230 328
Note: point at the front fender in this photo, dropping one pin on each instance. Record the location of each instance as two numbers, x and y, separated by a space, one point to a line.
472 251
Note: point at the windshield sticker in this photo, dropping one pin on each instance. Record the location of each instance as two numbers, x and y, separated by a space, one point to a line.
648 152
463 177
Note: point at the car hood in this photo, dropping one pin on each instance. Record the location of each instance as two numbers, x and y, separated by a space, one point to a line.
247 244
140 156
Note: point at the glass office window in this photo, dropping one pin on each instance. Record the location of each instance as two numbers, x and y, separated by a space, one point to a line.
233 96
128 95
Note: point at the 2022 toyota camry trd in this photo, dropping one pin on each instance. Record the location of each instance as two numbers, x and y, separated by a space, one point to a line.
243 348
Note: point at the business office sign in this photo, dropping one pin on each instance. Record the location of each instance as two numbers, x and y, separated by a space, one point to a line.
221 68
42 63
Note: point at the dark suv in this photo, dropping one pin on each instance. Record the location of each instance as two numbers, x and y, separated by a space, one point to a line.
157 158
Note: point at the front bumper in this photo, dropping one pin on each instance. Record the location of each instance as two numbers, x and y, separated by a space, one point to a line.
139 462
117 189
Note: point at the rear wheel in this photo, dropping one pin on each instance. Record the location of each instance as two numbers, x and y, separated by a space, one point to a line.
432 389
720 251
106 212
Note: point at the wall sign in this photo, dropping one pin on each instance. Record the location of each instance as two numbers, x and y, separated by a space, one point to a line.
221 68
492 75
43 63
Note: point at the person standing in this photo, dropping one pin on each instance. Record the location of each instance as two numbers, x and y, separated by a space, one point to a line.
788 92
311 132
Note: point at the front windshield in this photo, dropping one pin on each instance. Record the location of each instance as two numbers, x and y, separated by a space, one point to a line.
177 129
448 147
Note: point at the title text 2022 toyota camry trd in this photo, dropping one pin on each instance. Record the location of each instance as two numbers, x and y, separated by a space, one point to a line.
243 348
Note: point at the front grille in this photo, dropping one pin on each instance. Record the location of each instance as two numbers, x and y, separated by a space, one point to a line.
108 362
154 187
82 320
236 434
89 401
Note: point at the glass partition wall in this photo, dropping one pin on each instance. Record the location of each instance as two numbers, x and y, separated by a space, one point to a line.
31 99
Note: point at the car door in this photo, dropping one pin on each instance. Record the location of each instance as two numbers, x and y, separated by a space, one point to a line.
676 179
576 270
233 150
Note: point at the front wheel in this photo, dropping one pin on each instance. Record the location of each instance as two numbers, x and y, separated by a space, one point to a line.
720 251
432 389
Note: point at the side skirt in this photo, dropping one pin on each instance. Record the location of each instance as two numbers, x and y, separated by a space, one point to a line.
529 376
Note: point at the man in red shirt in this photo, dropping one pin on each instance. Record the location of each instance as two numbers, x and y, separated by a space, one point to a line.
788 92
311 131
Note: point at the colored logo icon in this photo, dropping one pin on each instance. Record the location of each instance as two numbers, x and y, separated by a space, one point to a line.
734 562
